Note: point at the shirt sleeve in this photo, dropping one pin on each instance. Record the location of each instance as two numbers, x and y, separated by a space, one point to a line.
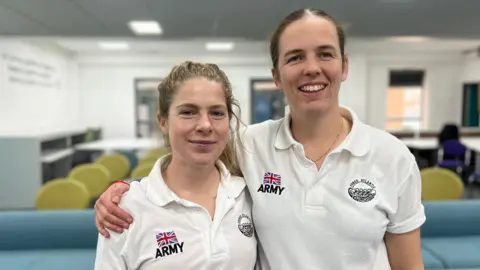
110 252
410 213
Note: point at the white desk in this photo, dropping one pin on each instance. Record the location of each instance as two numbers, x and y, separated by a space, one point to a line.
110 145
472 143
53 156
421 143
432 143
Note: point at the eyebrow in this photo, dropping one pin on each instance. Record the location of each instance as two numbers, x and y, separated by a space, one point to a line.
320 48
191 105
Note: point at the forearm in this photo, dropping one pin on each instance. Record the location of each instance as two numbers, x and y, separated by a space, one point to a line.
404 251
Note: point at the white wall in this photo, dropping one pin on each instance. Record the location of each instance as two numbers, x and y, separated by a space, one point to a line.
471 72
442 83
108 96
38 88
354 91
107 84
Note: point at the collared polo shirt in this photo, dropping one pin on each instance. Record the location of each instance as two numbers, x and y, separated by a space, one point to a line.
335 217
172 233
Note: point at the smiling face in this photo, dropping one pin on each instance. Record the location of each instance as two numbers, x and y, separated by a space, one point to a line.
310 66
197 123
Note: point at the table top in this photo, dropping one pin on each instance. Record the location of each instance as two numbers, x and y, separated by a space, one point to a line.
432 143
421 143
52 156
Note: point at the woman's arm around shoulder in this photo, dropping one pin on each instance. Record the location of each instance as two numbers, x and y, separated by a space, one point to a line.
108 215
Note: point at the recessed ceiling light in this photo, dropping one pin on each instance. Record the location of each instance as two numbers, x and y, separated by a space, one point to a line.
114 45
408 38
219 46
145 27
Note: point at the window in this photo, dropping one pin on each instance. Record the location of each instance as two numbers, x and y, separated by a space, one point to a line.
405 100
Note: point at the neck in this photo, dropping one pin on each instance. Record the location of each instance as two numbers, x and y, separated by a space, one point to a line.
186 180
314 128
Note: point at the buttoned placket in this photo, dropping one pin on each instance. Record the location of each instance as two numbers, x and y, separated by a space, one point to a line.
224 203
315 191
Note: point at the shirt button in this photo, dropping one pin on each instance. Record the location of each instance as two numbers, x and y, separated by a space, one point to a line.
306 164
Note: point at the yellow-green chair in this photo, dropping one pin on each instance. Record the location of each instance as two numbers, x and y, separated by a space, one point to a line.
142 170
117 164
61 194
441 184
156 153
95 177
147 160
153 155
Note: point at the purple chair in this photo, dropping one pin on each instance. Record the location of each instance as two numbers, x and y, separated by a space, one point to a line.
453 155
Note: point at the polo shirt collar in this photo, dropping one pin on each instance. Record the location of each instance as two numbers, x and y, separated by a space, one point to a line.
160 194
357 141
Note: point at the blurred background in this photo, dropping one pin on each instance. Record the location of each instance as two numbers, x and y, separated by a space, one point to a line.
78 96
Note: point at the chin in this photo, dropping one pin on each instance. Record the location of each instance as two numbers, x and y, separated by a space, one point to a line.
202 160
317 106
203 163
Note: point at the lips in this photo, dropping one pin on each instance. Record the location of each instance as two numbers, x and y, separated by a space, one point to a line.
202 142
203 146
312 87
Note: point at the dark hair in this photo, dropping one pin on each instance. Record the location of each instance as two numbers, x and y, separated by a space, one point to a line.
188 70
295 16
449 132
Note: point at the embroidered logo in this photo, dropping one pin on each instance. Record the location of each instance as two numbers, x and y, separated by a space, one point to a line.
245 225
272 183
168 244
362 190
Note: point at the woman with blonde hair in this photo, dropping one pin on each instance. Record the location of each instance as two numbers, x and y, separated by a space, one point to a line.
191 212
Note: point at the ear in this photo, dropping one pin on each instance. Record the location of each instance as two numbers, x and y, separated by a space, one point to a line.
276 78
345 68
162 123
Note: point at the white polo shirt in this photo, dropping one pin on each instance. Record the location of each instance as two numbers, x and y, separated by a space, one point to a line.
172 233
334 218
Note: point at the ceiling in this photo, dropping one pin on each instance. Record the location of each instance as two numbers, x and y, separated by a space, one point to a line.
245 19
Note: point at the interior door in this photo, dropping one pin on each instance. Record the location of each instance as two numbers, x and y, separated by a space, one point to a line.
470 105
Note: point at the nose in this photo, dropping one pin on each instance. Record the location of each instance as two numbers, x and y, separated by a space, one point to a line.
312 66
204 123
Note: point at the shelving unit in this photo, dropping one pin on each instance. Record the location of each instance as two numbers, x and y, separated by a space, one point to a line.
28 161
